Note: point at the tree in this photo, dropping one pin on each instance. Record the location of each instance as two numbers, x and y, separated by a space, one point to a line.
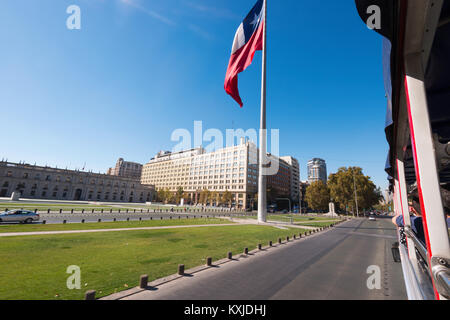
179 195
318 196
204 196
227 197
342 189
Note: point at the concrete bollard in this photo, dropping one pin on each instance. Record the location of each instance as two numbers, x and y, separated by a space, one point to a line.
181 269
209 261
245 250
89 295
230 255
143 281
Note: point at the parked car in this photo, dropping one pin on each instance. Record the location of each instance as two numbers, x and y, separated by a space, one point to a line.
22 216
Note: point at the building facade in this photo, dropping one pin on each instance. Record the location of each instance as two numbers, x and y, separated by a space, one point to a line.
233 169
317 170
126 169
280 183
294 178
35 182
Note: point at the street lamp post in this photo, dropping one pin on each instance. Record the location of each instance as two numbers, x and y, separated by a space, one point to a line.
356 198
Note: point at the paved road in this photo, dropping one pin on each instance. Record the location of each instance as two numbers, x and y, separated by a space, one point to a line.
328 265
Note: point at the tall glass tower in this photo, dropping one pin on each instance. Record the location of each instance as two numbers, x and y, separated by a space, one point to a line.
317 170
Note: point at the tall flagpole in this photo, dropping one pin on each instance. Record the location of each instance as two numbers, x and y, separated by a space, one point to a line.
262 201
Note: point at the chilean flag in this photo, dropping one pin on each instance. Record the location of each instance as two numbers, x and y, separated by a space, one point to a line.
248 40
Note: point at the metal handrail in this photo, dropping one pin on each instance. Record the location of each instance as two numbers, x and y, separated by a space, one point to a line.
439 269
418 244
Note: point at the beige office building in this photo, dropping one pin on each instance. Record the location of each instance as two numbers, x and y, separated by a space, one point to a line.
232 169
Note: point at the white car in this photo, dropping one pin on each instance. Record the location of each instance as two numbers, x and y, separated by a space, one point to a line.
372 218
22 216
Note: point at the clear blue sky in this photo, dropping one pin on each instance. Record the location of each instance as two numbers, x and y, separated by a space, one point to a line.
138 69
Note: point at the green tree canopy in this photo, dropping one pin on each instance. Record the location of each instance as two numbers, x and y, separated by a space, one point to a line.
227 197
342 188
317 196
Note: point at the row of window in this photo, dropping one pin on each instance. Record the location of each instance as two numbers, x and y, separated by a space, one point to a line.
69 179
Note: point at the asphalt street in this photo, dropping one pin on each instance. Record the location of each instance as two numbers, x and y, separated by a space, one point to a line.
334 264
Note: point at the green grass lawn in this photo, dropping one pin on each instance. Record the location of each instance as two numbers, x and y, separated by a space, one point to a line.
34 267
8 228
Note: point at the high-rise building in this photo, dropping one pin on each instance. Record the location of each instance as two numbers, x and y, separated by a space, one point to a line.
233 169
126 169
280 182
317 170
295 178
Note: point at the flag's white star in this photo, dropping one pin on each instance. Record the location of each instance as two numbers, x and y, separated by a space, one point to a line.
255 19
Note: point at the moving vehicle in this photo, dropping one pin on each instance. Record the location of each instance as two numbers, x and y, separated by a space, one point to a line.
416 51
21 216
372 218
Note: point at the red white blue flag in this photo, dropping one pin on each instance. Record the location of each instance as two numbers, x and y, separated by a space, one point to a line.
248 40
